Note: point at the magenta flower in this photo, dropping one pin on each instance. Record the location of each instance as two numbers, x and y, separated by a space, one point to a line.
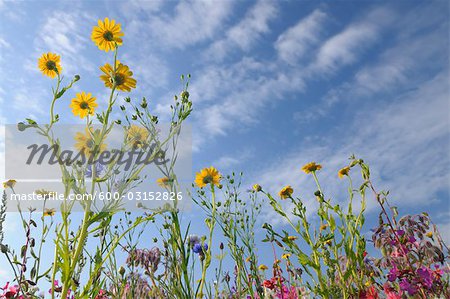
406 286
426 277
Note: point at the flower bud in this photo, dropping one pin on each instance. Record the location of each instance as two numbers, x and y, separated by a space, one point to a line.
121 270
76 78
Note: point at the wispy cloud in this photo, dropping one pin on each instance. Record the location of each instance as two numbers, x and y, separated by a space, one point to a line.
345 47
246 32
297 40
191 22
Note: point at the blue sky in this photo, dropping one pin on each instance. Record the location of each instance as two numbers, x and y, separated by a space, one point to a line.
274 84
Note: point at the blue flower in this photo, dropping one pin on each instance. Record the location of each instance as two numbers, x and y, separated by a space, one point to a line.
197 248
98 170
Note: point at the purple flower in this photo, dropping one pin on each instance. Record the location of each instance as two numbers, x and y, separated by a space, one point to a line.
98 170
393 274
405 285
425 276
400 232
411 239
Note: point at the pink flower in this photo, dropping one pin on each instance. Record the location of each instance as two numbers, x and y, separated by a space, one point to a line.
393 295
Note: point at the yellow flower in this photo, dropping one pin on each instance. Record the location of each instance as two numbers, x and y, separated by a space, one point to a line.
257 187
163 182
49 64
49 212
311 167
429 234
107 35
122 77
292 238
323 227
85 143
137 136
343 172
9 184
207 176
83 104
248 259
45 193
263 267
286 192
286 256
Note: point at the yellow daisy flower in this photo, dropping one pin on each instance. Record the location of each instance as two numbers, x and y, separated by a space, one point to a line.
83 104
311 167
137 136
49 64
163 182
207 176
9 184
286 256
49 212
107 35
429 234
343 172
122 77
286 192
45 193
257 187
85 143
263 267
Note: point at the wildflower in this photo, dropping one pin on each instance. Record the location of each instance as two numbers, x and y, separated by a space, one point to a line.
257 188
207 176
121 78
311 167
9 291
45 193
85 143
9 184
406 286
286 192
83 104
193 239
98 170
393 274
286 256
269 284
292 238
199 249
370 293
49 212
429 234
343 172
137 136
107 35
426 277
49 64
323 227
163 182
263 267
393 295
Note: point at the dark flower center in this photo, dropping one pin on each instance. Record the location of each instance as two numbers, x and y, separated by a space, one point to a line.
108 36
84 105
119 79
51 65
207 179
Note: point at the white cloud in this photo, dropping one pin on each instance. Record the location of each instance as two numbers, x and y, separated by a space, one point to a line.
345 47
190 23
244 34
298 39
